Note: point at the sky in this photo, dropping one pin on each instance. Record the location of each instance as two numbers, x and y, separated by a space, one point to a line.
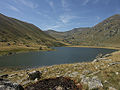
60 15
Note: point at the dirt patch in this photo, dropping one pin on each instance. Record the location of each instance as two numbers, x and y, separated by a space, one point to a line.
59 83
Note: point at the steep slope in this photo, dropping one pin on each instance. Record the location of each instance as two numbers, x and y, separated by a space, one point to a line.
16 32
106 33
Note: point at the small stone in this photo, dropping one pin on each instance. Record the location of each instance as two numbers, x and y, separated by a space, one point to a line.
86 72
111 88
116 73
74 74
105 81
36 80
85 80
59 88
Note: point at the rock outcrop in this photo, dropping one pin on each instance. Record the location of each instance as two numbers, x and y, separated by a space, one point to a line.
93 83
34 75
8 85
59 83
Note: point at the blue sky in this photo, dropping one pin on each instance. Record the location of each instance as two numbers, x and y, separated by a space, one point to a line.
60 15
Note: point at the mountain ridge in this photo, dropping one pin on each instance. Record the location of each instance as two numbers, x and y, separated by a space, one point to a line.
16 35
105 33
18 31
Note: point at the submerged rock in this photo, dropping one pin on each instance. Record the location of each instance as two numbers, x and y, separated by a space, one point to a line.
8 85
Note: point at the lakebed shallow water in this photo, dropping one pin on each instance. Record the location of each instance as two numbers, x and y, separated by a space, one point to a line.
62 55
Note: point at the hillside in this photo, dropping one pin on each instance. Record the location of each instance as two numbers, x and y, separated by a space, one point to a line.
106 33
70 37
15 33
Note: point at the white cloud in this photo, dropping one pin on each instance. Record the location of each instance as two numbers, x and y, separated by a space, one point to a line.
64 21
98 18
66 18
27 3
87 1
52 27
51 5
65 5
14 8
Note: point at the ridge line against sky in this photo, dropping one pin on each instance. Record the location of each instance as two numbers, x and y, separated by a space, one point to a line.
61 15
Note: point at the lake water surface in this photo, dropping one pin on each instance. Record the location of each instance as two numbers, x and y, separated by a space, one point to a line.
62 55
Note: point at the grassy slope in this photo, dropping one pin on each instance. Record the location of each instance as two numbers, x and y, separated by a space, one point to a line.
70 37
106 33
15 33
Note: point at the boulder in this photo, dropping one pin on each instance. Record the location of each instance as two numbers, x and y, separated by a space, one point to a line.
86 72
4 76
35 74
114 63
100 59
107 55
111 88
27 45
8 85
85 80
93 83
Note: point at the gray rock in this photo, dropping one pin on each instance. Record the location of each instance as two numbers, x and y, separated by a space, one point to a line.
86 72
100 55
58 88
8 85
111 88
4 76
93 83
35 74
117 73
107 55
13 75
95 60
114 63
100 59
74 74
85 80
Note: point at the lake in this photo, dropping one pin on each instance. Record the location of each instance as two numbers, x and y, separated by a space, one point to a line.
62 55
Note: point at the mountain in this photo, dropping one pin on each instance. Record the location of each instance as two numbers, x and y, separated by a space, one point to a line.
16 32
106 33
70 37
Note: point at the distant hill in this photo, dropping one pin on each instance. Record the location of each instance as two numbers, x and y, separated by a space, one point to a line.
68 36
106 33
16 32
